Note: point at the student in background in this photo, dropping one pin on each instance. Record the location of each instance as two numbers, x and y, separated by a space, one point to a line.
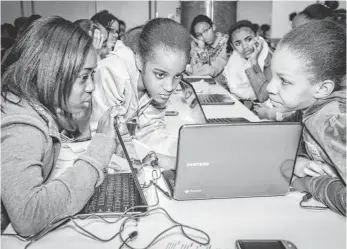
47 83
111 24
142 81
307 72
248 70
209 54
122 28
99 35
318 12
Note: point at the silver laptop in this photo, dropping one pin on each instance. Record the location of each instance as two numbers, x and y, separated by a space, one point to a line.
194 102
234 160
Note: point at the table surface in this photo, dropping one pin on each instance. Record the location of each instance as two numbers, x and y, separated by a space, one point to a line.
224 220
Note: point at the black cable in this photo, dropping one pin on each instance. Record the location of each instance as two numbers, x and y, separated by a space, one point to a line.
176 224
305 198
131 236
124 242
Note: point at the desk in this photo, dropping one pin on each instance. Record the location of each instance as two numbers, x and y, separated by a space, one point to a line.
224 220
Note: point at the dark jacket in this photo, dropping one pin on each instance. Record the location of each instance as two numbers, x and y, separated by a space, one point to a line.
324 139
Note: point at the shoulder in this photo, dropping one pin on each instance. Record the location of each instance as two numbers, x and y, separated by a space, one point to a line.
22 120
329 121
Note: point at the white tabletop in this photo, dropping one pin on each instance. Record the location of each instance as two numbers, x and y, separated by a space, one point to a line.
225 220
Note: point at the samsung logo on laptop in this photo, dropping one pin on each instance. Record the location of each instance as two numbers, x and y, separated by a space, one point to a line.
187 191
198 164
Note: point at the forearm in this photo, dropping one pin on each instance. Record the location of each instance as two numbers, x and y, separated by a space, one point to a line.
32 203
258 82
329 190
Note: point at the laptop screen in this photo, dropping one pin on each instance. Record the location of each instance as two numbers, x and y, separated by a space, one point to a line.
185 100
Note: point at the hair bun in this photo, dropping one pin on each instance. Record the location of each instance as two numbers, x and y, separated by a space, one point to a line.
332 4
292 16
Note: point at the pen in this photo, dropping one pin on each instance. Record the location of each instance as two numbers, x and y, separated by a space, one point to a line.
162 190
171 113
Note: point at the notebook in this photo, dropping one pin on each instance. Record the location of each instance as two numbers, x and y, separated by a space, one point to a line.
234 160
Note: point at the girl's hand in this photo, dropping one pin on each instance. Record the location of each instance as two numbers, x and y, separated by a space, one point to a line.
258 47
107 123
199 43
97 40
261 111
189 69
305 167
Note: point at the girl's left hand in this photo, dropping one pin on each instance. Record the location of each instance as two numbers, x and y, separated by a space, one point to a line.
257 46
97 39
305 167
261 111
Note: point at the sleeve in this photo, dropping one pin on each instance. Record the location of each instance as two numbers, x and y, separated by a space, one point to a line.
111 77
215 67
333 140
259 80
331 191
30 201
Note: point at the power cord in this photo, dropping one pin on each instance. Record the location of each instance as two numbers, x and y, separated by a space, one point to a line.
132 217
176 224
131 236
305 199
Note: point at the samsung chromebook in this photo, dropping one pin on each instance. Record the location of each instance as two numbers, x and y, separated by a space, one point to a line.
234 160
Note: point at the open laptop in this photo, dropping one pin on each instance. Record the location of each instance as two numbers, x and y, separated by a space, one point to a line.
119 191
196 78
211 98
234 160
194 101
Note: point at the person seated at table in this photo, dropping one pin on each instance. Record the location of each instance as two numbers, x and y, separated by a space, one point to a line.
318 11
248 70
46 84
307 72
142 81
122 28
111 24
99 35
209 54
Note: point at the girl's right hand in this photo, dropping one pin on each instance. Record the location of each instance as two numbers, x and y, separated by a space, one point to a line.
199 43
107 123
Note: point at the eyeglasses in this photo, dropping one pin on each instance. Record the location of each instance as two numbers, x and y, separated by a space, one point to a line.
199 35
113 31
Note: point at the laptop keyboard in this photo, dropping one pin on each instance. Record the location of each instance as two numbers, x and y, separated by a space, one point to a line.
116 194
209 98
225 120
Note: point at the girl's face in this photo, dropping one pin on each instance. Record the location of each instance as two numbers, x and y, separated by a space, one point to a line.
113 32
104 49
162 73
290 86
204 31
80 98
242 41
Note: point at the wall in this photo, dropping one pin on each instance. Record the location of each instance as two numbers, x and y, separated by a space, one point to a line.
255 11
133 13
71 10
166 8
10 10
